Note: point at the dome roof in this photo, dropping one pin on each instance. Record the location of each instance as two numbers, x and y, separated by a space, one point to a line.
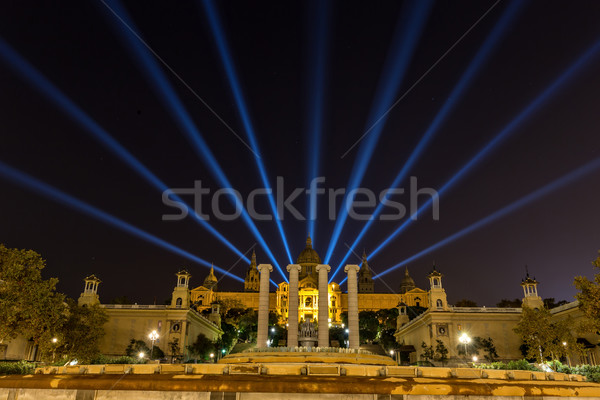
407 282
308 255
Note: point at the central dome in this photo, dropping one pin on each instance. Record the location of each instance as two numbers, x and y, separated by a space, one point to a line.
308 255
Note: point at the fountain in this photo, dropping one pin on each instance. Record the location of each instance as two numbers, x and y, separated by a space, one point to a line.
307 335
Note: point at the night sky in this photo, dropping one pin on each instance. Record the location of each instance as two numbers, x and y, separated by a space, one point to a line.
279 51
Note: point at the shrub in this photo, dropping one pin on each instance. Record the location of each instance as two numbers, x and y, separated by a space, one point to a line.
591 372
519 365
16 368
118 360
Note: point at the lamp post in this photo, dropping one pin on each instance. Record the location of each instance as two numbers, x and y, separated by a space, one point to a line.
392 352
212 357
54 341
465 340
567 353
153 337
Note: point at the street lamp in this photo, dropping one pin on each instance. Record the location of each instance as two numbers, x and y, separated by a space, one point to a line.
464 339
153 337
141 354
54 341
567 353
475 358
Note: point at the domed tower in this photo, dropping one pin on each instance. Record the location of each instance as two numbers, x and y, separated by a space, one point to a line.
407 283
365 277
251 283
308 260
210 282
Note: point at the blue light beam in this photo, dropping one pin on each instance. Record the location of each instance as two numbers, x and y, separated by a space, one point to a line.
413 17
318 47
37 80
165 93
453 99
534 106
234 84
28 182
522 202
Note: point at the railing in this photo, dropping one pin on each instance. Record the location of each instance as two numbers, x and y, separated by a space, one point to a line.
486 309
303 349
135 306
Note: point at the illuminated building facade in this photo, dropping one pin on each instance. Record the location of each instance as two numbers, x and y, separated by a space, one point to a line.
308 293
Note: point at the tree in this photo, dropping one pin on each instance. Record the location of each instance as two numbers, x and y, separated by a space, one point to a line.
124 300
248 325
414 311
368 325
80 334
441 352
136 347
344 317
387 318
542 337
428 352
551 303
589 298
487 345
29 304
465 303
339 334
387 339
229 337
505 303
202 347
174 349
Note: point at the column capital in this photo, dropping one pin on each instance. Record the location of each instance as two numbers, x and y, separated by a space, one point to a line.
321 267
290 267
266 267
351 267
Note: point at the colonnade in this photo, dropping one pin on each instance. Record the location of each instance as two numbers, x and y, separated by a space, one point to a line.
323 315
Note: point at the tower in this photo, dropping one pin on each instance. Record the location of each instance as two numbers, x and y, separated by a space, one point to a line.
437 295
403 318
181 293
251 283
531 299
89 297
365 276
215 315
308 261
407 282
210 282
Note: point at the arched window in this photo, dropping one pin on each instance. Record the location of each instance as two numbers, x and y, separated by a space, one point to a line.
178 302
308 302
439 303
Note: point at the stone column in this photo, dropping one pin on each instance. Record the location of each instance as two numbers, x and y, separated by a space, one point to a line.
292 337
262 333
323 332
353 337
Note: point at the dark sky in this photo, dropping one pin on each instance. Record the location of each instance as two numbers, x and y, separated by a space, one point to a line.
76 46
